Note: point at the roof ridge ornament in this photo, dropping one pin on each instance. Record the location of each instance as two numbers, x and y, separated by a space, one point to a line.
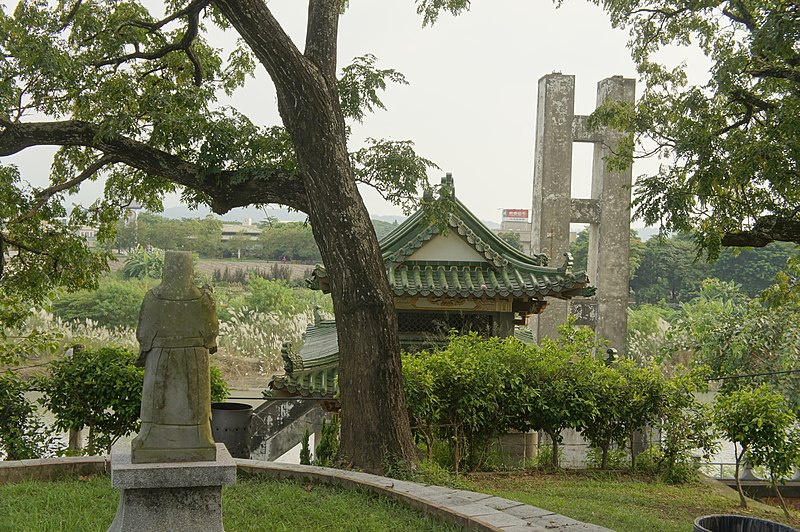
291 360
569 262
447 189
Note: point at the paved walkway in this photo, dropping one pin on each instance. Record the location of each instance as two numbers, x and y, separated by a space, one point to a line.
473 510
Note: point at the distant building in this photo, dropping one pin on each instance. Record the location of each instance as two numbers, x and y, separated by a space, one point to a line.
243 231
246 230
89 234
517 221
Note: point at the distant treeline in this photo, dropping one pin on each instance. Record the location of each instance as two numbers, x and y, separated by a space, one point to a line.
669 270
278 240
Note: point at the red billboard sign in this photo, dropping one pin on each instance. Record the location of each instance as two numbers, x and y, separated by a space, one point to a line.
515 215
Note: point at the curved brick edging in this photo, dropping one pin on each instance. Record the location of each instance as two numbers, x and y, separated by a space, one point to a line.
476 511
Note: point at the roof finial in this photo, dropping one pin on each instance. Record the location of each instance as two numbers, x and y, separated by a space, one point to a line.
448 187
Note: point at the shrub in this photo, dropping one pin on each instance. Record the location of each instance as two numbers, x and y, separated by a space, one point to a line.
328 445
610 459
142 264
114 304
686 428
277 297
219 388
305 451
23 435
467 393
460 397
544 456
101 389
759 420
626 399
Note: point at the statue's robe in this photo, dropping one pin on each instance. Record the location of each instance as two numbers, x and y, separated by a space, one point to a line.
176 337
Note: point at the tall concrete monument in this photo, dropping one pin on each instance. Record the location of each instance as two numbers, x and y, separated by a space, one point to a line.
607 211
171 475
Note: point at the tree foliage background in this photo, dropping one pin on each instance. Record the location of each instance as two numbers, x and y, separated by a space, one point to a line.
730 142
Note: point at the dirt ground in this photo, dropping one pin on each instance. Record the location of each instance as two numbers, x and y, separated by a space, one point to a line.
792 503
207 266
242 373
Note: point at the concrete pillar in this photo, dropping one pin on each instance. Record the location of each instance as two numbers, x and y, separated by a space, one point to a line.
531 446
609 240
552 179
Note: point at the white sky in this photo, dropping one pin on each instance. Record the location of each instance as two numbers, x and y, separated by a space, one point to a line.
470 104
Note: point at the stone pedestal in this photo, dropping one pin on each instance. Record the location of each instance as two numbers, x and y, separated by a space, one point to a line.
178 496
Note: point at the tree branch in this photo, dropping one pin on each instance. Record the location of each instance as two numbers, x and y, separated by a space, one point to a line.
742 16
666 13
69 16
748 115
769 228
44 195
226 189
195 6
192 12
790 74
287 67
23 247
322 35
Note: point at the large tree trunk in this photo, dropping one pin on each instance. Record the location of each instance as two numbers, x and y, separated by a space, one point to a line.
375 426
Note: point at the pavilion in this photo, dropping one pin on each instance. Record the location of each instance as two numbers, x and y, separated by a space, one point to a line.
452 275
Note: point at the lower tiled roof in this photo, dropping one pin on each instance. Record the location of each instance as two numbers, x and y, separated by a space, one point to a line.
482 279
319 382
314 371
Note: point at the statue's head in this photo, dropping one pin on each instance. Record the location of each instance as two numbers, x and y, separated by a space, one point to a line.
177 279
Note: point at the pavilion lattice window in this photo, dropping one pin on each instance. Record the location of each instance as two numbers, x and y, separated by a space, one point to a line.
440 323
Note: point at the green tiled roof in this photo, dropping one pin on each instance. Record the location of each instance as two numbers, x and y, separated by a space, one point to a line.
524 334
477 280
315 369
506 271
417 229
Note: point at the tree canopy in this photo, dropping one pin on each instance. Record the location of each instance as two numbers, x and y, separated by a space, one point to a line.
131 95
133 100
730 143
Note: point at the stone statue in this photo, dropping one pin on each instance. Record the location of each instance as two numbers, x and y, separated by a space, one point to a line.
177 331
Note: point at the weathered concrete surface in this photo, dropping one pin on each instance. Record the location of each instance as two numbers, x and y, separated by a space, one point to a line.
47 469
552 175
177 330
609 239
278 425
178 497
584 211
607 211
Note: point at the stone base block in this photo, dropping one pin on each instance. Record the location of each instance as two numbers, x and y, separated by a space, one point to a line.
166 456
179 496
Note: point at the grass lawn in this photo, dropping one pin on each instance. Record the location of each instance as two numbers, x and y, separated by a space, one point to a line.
248 505
619 501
